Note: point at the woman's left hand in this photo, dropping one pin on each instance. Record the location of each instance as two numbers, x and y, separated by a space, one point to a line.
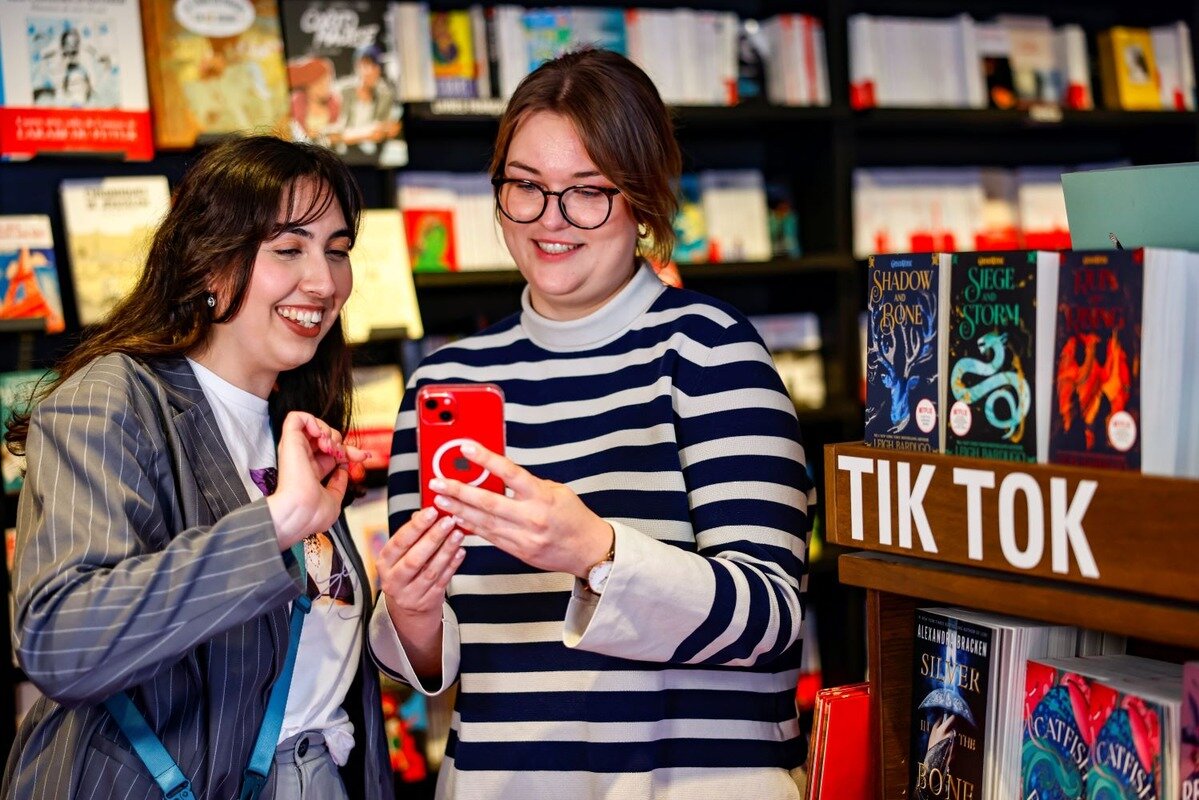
541 522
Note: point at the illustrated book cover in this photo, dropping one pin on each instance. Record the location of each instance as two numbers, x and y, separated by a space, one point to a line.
73 79
1000 379
951 673
906 350
109 223
214 67
342 74
29 287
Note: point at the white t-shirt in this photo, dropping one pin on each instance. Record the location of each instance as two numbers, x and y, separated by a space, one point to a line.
331 640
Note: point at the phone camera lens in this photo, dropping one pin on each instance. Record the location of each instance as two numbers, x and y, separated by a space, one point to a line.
430 404
446 416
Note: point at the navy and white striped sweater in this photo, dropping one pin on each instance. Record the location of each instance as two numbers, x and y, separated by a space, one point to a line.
664 413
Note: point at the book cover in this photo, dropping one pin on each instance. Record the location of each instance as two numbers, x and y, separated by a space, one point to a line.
783 220
342 76
377 394
1126 760
905 352
547 34
1095 419
74 79
690 227
430 233
109 223
1188 770
1128 69
455 67
28 276
16 391
995 375
1056 750
214 67
950 685
383 301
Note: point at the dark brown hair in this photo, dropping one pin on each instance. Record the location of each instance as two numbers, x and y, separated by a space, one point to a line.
225 207
623 123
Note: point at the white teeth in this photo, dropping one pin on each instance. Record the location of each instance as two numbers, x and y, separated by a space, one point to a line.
556 248
306 319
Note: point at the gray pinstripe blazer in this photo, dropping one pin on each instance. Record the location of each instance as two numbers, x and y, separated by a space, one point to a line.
142 565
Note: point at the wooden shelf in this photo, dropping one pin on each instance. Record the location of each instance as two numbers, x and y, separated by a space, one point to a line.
995 120
1085 525
978 550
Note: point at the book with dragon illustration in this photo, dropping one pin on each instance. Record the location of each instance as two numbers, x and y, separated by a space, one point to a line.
951 680
906 351
999 386
1096 412
1055 754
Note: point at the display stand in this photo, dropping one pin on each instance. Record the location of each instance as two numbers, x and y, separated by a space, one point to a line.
1101 549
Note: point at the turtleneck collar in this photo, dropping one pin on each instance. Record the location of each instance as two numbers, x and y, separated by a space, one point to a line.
599 327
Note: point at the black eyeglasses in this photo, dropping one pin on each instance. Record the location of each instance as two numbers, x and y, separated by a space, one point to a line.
585 207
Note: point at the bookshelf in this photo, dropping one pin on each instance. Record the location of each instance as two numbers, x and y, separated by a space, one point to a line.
1100 549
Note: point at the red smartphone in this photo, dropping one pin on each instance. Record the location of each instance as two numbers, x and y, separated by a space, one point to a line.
447 414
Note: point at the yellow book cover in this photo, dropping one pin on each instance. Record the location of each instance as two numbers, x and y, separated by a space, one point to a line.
214 67
1128 69
454 68
109 223
384 296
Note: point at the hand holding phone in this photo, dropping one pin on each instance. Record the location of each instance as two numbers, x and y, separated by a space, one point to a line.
449 414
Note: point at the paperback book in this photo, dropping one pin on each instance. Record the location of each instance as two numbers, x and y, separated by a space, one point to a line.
342 75
1000 369
29 286
17 390
383 302
109 223
214 67
906 351
73 79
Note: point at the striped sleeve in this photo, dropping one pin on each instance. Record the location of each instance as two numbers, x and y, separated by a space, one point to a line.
736 600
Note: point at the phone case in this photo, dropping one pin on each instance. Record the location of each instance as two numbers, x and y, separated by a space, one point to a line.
448 414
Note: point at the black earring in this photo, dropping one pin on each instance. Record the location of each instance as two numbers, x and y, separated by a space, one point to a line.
210 300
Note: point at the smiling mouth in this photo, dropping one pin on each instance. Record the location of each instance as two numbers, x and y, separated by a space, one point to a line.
305 318
556 248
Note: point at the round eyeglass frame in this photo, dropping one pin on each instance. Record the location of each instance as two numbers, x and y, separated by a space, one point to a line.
499 183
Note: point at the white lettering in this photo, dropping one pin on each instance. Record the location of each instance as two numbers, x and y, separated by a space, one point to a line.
911 508
1031 555
975 480
1065 526
856 467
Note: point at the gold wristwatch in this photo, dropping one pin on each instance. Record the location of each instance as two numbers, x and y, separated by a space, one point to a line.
597 576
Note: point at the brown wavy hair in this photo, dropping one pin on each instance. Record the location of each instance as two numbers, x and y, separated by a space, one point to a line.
224 208
624 125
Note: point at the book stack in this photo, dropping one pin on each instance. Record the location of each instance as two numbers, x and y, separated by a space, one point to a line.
1105 726
841 761
967 687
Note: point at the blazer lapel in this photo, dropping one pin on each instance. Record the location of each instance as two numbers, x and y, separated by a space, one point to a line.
202 445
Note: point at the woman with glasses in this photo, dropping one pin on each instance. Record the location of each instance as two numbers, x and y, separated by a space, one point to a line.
624 621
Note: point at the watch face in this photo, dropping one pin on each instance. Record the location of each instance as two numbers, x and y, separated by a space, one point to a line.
597 579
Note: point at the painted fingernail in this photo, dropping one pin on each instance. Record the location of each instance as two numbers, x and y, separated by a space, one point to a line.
441 501
428 515
468 448
456 537
461 554
437 484
446 523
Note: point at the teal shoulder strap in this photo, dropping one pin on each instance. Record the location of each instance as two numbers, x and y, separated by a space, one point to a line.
158 761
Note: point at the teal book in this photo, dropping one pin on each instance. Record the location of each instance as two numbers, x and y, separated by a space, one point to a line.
16 391
1001 329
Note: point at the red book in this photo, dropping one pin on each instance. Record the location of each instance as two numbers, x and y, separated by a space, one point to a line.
841 758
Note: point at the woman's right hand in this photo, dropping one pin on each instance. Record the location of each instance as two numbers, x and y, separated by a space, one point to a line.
415 567
313 468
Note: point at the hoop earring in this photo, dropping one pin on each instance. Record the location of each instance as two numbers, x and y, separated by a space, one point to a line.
210 300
